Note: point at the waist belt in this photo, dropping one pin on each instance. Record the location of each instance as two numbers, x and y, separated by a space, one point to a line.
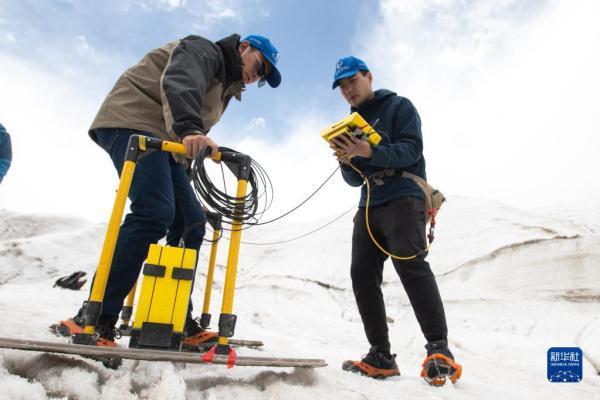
433 198
378 176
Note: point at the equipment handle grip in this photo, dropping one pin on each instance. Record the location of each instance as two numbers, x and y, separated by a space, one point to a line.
227 155
173 147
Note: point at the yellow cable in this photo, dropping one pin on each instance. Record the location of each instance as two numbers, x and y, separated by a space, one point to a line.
380 247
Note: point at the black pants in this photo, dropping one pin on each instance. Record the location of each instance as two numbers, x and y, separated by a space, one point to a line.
398 226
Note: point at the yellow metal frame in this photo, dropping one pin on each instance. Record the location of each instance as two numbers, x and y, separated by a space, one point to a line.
232 259
112 232
110 239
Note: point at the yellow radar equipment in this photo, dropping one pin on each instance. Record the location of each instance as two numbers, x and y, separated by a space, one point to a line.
352 125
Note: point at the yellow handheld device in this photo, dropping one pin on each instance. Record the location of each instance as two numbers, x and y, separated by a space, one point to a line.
352 125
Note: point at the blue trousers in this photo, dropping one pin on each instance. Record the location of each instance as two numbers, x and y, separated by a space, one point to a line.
162 203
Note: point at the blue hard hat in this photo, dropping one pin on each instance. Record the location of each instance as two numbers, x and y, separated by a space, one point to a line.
347 67
270 52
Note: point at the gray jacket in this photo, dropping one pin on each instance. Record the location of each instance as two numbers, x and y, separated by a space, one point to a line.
179 89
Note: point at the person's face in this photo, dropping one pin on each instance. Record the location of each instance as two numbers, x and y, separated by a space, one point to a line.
254 65
357 88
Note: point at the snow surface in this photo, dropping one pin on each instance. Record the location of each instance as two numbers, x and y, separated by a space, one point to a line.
515 283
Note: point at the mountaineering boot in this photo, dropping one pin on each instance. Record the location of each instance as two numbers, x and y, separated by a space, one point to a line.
70 326
196 335
376 364
439 364
105 336
107 333
105 330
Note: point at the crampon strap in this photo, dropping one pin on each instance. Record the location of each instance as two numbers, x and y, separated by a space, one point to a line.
456 369
200 338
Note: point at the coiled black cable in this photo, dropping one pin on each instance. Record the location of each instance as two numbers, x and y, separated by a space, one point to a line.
245 210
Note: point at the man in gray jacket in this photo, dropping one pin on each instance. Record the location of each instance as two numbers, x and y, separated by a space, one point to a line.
176 92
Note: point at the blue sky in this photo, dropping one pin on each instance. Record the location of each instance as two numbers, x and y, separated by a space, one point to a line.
91 42
506 89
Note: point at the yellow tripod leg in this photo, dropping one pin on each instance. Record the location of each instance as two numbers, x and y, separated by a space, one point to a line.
232 261
93 308
110 239
211 270
127 311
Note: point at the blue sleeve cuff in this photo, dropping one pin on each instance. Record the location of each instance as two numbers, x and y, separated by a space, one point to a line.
379 157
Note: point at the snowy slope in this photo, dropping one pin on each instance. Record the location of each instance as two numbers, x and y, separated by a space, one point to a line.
515 283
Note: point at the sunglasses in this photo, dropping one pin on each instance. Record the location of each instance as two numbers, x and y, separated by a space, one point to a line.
260 70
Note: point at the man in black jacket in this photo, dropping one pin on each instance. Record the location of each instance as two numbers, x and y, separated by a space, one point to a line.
176 92
396 218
